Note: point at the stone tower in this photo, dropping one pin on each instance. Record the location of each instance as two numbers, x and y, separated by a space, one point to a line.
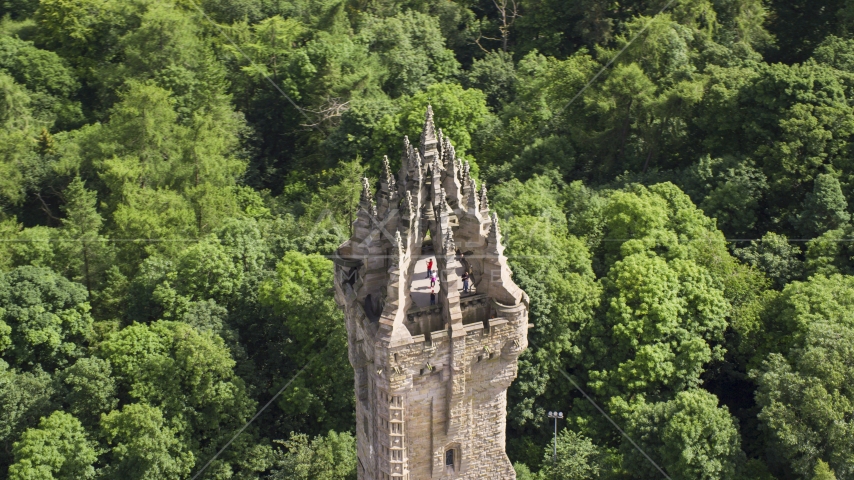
431 379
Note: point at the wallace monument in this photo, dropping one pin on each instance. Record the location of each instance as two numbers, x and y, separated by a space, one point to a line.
432 362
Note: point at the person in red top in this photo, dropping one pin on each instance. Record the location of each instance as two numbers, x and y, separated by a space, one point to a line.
429 267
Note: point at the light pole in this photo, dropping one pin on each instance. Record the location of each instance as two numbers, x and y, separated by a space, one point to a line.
555 416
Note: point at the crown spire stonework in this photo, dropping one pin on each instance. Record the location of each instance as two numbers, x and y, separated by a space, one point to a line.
412 424
428 133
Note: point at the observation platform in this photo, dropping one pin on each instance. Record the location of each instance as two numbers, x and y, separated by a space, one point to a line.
420 287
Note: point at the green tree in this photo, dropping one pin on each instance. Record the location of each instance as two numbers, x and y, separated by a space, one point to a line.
146 144
786 320
665 306
791 120
34 246
546 88
659 328
310 323
730 190
411 48
188 377
329 457
150 222
823 471
18 8
523 472
825 208
48 316
494 75
85 250
775 256
799 31
51 84
690 435
577 458
88 389
57 449
206 270
16 152
805 399
25 397
835 52
166 50
555 270
143 445
829 253
624 99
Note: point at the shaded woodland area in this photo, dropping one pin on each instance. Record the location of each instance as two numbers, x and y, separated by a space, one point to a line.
174 174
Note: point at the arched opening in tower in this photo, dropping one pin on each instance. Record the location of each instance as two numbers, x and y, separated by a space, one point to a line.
425 278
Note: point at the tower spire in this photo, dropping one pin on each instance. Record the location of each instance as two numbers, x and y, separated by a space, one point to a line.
428 133
398 335
429 141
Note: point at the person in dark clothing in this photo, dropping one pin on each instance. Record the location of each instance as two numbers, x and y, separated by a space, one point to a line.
466 282
432 297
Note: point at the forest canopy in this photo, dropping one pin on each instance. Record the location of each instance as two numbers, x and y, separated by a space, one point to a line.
673 181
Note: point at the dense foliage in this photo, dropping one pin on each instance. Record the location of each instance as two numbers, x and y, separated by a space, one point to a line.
174 172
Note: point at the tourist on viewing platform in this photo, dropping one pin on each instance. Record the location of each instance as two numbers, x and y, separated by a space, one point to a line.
432 297
466 282
429 268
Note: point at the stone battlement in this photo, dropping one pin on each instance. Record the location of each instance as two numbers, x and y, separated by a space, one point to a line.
431 380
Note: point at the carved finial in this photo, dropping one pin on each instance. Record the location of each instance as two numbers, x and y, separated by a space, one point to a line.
428 133
406 203
484 202
442 202
449 159
450 152
468 183
441 142
388 179
437 165
494 230
411 156
419 168
466 175
405 156
450 245
398 249
443 152
366 191
471 195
